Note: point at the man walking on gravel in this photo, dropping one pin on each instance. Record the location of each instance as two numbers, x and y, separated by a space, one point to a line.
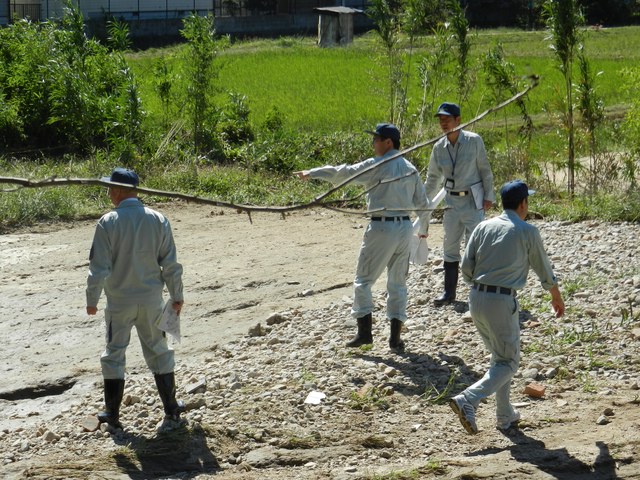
394 189
133 256
459 164
496 263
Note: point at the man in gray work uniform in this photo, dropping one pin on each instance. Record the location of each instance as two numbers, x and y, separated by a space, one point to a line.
496 263
459 163
133 256
394 189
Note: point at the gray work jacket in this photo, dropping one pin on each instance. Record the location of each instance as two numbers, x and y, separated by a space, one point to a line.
132 257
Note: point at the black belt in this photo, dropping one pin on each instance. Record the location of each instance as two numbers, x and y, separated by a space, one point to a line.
389 219
493 289
459 194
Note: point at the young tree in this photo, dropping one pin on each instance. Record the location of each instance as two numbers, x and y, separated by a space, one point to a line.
460 28
434 72
413 19
202 49
563 19
503 83
591 108
397 20
631 128
163 82
385 16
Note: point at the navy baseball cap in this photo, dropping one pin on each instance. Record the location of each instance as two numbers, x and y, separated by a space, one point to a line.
123 175
386 130
446 108
515 192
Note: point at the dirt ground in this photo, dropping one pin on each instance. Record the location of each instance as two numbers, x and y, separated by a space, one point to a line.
236 273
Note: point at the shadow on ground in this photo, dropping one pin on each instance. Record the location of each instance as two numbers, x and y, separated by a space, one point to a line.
558 463
181 451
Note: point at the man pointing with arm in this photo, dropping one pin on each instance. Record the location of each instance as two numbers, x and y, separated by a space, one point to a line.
394 189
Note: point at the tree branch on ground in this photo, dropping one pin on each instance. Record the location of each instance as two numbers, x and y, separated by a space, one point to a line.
319 201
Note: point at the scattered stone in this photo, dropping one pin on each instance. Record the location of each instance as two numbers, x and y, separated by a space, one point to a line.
50 437
197 387
90 424
195 403
248 395
365 390
534 390
388 390
257 331
131 399
390 372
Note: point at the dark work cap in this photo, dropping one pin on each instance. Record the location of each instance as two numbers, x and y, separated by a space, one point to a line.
514 192
123 175
386 130
447 108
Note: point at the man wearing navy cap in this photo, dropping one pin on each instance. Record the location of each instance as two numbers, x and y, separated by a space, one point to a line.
459 164
394 189
496 263
133 256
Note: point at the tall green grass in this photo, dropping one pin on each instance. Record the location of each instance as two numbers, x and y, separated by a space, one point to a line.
327 97
343 89
26 206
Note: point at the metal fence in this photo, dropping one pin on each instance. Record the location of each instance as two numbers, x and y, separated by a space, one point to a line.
219 8
19 11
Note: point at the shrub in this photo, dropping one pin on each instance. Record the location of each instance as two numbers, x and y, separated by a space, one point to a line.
202 49
66 89
11 126
234 125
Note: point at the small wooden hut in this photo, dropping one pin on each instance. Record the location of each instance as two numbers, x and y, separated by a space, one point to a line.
335 25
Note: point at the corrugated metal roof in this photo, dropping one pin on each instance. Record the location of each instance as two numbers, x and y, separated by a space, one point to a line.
336 10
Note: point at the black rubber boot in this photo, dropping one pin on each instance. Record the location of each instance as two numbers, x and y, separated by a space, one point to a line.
364 336
395 343
113 392
450 284
166 384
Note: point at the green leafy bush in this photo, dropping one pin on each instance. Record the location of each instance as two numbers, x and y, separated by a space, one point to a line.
66 89
11 126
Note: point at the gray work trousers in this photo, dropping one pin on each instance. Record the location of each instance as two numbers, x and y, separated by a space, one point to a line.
384 245
120 319
495 316
459 220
